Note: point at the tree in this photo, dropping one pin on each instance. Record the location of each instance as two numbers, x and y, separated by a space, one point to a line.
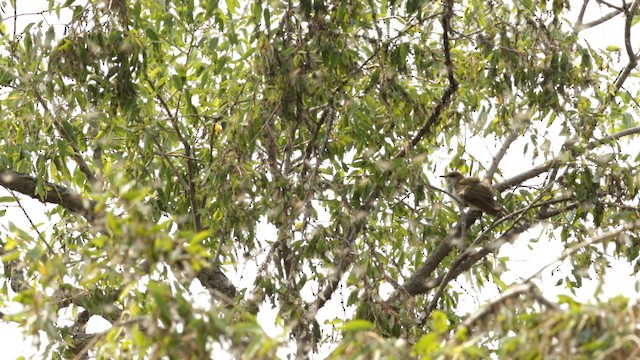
183 142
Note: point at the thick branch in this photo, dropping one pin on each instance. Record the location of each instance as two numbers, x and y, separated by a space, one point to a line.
55 194
94 303
218 283
420 281
522 177
212 278
81 340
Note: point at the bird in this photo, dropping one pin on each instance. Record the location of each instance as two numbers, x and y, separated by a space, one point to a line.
472 192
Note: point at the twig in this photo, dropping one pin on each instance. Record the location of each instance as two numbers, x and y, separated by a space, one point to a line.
190 187
33 226
84 167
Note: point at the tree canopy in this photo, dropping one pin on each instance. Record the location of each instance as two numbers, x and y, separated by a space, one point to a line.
285 156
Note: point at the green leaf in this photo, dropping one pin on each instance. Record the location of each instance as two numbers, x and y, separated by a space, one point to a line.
70 132
427 344
440 322
356 325
232 5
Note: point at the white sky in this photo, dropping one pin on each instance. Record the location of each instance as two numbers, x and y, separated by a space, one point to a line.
525 257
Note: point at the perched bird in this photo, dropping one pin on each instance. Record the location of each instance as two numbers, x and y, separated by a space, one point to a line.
472 192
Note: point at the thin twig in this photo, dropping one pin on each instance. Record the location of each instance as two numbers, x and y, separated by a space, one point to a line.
33 226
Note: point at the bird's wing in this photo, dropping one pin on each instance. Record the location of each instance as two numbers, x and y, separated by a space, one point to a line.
483 195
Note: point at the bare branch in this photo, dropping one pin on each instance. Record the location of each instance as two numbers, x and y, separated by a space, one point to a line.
608 4
583 9
580 26
511 137
633 59
522 177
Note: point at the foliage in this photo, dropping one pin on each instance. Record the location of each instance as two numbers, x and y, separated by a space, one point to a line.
186 140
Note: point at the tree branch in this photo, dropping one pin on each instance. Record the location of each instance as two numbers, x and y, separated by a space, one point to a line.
524 176
512 293
420 281
445 99
212 278
527 286
511 137
633 59
355 227
190 187
218 283
580 26
630 131
454 268
583 9
633 225
94 303
55 194
82 164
